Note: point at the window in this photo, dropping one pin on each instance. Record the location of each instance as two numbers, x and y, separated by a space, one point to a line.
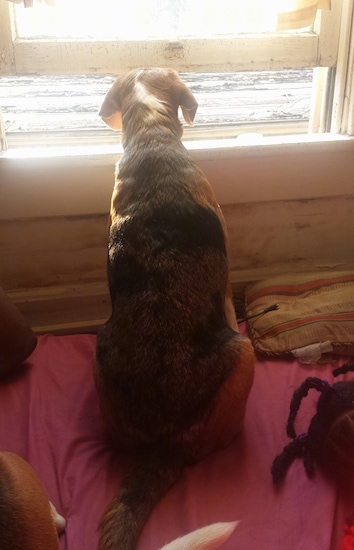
216 43
65 108
217 36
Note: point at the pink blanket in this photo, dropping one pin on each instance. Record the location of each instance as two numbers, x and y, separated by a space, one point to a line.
49 416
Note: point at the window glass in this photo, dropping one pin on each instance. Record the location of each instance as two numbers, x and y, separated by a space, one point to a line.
138 19
228 103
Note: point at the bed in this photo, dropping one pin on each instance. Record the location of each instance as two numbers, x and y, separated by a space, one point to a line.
49 416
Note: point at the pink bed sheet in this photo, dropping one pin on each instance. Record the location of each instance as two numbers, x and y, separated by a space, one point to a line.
49 416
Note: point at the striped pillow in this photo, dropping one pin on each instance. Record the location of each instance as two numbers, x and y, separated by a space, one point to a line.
311 310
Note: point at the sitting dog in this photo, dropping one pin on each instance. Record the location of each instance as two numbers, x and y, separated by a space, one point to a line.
172 373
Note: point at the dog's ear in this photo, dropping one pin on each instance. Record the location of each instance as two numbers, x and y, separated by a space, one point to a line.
189 106
110 111
188 103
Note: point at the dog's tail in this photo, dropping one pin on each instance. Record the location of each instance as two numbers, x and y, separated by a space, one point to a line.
150 478
206 538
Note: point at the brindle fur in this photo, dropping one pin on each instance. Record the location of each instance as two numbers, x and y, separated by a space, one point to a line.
172 374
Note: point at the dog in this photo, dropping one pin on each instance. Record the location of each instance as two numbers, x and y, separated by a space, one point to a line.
28 521
172 372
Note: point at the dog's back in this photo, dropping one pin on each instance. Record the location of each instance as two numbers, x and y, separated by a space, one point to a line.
172 376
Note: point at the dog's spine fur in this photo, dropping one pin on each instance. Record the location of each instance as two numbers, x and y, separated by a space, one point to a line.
150 478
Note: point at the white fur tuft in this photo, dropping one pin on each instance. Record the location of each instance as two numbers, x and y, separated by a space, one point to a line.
206 538
143 96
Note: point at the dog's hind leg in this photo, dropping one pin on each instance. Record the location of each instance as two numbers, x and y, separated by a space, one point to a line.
229 407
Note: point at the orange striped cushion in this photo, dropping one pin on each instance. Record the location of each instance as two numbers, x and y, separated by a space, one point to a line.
311 309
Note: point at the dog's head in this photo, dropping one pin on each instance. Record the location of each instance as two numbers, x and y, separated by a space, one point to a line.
160 91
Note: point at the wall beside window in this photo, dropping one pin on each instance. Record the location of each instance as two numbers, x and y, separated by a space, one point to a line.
288 208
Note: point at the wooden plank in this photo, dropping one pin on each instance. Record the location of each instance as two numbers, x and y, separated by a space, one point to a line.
64 309
7 59
291 235
60 312
244 52
52 251
55 269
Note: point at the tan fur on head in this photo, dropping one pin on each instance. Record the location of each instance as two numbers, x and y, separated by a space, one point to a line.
159 90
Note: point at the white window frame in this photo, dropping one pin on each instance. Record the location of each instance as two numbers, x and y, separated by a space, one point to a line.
318 48
328 46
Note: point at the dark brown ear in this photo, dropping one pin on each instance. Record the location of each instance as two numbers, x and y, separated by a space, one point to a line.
188 103
186 99
110 111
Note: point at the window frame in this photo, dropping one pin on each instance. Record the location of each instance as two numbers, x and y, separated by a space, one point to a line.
318 48
327 48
